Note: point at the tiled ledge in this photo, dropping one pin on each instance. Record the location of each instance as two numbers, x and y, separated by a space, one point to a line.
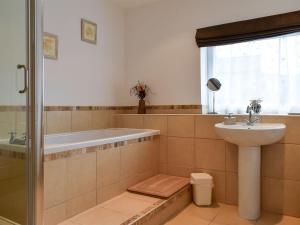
164 209
148 209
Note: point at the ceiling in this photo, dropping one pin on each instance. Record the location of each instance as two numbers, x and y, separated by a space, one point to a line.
133 3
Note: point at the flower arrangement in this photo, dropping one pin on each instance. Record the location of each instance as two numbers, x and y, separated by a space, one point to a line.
140 90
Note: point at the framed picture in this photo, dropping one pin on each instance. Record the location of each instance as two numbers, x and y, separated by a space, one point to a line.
88 31
50 46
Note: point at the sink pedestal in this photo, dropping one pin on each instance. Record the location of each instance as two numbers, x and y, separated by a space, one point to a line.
249 182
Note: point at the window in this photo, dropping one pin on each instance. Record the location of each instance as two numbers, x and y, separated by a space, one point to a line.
267 69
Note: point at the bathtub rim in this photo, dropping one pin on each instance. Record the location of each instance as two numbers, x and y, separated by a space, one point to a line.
58 148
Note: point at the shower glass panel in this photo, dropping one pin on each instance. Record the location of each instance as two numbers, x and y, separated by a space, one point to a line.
13 112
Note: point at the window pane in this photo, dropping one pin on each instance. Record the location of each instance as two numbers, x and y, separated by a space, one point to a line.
267 69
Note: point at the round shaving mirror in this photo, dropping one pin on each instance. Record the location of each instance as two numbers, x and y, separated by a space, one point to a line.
214 85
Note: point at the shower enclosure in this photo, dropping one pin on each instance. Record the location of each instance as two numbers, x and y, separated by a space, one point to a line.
21 98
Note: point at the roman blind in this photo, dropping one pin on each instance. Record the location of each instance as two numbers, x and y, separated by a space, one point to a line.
249 30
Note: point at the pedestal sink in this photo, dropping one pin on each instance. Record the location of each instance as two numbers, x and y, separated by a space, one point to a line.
250 139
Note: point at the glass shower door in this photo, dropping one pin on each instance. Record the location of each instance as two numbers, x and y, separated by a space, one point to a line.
13 112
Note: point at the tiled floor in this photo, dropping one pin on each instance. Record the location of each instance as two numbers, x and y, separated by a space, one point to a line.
226 215
113 212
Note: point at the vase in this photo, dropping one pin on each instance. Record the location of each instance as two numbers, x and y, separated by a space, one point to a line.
142 107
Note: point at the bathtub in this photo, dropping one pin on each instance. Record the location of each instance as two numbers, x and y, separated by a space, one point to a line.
77 140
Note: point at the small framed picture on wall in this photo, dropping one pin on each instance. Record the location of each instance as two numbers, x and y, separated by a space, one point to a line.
88 31
50 46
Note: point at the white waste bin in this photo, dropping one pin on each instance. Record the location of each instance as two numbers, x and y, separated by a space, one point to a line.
202 188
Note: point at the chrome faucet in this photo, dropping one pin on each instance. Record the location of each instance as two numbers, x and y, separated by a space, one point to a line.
253 108
13 140
12 137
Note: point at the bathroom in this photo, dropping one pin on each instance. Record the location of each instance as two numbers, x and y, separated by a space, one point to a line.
79 143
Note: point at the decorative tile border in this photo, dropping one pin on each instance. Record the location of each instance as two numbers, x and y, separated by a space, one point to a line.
6 108
157 207
12 154
12 108
74 152
95 108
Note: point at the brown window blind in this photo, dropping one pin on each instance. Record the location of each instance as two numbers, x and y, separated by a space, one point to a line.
249 30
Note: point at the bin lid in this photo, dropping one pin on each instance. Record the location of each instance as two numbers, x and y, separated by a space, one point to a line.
201 178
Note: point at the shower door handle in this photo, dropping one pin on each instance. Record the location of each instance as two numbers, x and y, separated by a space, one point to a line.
19 66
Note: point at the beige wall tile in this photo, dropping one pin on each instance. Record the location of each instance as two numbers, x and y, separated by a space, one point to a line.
144 157
210 154
81 179
163 149
163 168
293 127
179 171
80 204
231 188
231 157
55 215
156 122
108 167
180 152
129 163
281 196
20 123
13 199
204 127
129 121
286 157
7 123
101 119
128 182
219 179
81 120
55 182
58 122
107 192
181 126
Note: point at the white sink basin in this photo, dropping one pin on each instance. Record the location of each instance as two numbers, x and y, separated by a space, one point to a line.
244 135
249 139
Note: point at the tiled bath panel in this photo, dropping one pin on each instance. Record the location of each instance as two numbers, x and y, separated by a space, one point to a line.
76 182
189 143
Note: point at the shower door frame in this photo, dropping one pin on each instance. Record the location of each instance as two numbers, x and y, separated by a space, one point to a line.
35 100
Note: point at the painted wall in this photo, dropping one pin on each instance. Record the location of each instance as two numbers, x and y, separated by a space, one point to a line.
160 43
85 74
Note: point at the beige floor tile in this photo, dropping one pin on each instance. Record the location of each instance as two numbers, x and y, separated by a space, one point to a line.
185 219
99 216
276 219
206 213
229 215
120 204
68 223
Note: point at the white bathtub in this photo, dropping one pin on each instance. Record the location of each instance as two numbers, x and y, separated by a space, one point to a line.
68 141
